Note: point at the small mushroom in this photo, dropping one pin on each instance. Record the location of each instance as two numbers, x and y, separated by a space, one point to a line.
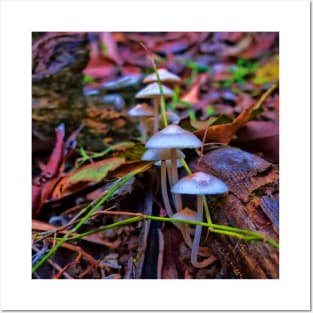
143 111
165 77
152 91
199 184
173 137
163 155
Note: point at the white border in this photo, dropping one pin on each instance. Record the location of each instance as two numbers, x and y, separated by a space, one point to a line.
19 18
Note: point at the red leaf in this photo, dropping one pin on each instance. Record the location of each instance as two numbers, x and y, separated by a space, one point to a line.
51 170
56 158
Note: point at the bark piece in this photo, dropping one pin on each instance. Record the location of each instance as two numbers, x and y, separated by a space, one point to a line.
251 204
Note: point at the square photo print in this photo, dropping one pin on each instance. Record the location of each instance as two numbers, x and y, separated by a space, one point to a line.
155 155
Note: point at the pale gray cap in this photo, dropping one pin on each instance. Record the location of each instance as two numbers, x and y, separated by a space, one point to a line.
160 154
141 109
165 76
200 183
173 136
153 90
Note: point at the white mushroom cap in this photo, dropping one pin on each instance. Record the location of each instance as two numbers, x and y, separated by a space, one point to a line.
200 183
165 76
153 90
173 136
142 109
160 154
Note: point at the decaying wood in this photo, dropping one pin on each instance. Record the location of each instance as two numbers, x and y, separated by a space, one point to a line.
252 204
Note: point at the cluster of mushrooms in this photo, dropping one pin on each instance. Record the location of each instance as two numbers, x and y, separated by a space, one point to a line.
164 147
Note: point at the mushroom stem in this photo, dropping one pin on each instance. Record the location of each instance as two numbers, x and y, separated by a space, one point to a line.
169 173
178 200
156 105
143 128
160 254
164 189
196 240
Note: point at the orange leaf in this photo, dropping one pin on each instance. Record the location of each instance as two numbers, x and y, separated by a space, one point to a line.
224 133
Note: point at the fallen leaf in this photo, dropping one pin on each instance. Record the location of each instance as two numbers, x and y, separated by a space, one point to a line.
109 47
262 43
269 72
56 158
260 137
225 132
51 171
94 172
84 176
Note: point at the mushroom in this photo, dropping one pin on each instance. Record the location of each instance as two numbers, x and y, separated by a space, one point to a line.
143 111
163 155
165 77
199 184
153 91
187 214
173 137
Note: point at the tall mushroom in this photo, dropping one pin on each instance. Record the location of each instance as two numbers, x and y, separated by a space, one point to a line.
173 137
143 111
163 155
152 91
199 184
